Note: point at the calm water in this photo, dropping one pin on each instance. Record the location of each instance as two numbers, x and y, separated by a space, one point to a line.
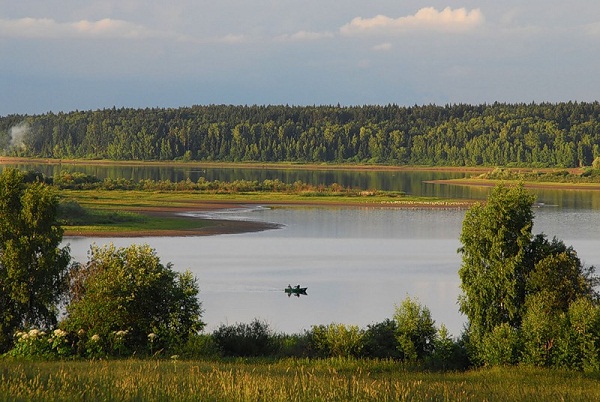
357 263
411 182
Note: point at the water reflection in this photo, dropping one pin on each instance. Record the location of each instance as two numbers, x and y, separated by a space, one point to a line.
416 183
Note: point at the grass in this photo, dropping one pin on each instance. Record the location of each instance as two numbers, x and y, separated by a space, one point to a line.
284 380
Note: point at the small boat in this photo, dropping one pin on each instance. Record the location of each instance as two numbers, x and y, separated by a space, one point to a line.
296 290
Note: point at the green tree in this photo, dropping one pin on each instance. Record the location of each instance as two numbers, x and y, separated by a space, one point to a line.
32 266
128 289
508 276
495 239
416 330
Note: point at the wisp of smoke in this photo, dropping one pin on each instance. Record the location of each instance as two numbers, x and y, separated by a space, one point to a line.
17 135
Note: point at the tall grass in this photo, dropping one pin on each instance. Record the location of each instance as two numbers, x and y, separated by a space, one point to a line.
285 380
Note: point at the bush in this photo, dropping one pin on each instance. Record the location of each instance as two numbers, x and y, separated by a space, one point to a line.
379 340
243 340
38 343
416 331
131 302
198 346
295 345
336 340
500 346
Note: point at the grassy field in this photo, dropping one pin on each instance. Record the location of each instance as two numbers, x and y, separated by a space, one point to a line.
285 380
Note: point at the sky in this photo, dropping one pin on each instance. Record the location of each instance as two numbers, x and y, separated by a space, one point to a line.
65 55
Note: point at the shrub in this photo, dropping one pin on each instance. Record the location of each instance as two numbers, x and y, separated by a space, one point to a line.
416 331
379 340
336 340
123 295
38 343
500 347
242 340
198 346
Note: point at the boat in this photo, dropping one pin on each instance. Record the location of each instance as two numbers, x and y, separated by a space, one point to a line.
296 290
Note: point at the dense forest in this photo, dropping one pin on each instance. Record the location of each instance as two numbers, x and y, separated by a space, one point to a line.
538 135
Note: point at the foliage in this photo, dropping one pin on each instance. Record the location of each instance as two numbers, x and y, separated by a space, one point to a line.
336 340
509 277
379 340
124 295
500 346
448 354
494 238
578 343
536 135
41 344
32 266
254 339
416 330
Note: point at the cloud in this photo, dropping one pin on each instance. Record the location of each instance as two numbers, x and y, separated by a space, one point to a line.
46 28
447 20
383 47
305 36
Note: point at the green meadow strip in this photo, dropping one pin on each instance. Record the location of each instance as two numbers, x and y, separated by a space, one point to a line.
284 380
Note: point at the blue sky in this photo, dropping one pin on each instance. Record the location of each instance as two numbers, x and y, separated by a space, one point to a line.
64 55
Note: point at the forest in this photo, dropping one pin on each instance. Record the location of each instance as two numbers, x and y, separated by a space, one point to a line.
562 135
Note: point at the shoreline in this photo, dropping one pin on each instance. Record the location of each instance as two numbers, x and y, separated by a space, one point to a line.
226 226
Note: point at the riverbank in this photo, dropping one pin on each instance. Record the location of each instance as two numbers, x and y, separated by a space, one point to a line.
171 217
245 165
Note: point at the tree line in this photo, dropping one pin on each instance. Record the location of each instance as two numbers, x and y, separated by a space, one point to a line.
538 135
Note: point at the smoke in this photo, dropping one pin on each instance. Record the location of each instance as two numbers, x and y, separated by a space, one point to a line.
17 135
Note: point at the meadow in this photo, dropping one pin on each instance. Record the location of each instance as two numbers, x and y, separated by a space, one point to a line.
286 380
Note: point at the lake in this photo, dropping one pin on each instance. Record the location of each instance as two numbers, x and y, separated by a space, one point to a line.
358 263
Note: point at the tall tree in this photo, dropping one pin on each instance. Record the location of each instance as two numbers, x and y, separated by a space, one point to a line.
506 270
495 238
32 266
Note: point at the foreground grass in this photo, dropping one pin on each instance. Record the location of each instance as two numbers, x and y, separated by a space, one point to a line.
285 380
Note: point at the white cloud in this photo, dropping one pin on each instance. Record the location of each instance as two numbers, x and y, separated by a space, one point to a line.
305 36
428 18
46 28
383 47
592 29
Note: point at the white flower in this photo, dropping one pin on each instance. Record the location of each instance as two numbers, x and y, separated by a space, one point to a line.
34 332
95 338
59 333
121 334
175 357
152 336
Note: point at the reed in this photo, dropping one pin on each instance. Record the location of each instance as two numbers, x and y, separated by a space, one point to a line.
282 380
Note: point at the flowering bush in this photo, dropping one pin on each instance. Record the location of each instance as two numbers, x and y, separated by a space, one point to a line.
38 343
124 294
